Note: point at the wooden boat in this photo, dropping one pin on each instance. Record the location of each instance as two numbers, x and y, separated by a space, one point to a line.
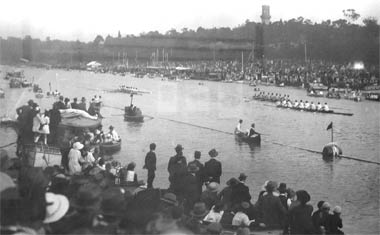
133 115
316 111
250 140
374 96
316 94
110 148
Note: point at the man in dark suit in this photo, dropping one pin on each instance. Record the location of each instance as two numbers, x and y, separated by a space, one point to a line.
240 192
200 173
150 164
177 169
213 168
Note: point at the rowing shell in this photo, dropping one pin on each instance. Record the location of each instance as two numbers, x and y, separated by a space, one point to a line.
315 111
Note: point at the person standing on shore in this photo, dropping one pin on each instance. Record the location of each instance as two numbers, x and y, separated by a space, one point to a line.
150 164
200 172
213 168
177 168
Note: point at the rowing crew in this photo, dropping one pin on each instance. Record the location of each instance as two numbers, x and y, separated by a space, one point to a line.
270 96
303 105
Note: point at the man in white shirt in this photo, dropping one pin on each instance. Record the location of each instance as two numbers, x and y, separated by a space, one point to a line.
307 105
238 127
319 106
113 136
325 107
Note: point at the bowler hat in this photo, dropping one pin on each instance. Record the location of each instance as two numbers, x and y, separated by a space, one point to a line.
213 153
170 198
271 186
242 177
303 196
282 188
199 210
232 182
178 147
87 197
113 202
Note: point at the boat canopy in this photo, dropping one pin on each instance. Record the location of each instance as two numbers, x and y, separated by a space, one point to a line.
81 122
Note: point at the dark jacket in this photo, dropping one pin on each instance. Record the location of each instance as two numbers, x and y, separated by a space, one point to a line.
74 105
319 219
190 190
199 174
271 209
213 170
284 201
177 165
150 161
300 221
240 193
82 106
209 198
334 223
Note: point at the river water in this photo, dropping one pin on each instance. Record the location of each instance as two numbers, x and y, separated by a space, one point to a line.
351 184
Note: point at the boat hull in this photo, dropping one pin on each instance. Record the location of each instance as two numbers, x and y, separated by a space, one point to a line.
110 148
250 140
139 118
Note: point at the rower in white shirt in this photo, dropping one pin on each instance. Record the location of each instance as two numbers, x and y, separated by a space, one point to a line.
283 103
295 104
319 106
312 106
325 107
301 105
307 105
238 127
112 135
289 103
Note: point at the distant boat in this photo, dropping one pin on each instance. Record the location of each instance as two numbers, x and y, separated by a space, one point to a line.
133 90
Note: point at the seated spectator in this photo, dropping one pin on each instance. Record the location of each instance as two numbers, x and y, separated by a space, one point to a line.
210 195
128 176
215 214
241 218
226 194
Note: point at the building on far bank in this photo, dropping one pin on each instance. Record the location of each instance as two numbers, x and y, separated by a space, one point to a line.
265 16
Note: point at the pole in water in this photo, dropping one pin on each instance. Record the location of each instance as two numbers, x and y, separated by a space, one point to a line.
332 133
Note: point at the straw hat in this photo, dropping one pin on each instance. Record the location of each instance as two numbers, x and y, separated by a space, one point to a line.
78 146
56 208
337 210
213 187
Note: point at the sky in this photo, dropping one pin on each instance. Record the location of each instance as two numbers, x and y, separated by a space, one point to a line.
84 19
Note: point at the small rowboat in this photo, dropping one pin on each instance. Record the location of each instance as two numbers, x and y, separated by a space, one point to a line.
250 140
131 115
110 148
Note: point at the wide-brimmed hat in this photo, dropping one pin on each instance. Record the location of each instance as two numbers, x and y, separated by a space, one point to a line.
78 146
213 187
337 210
83 99
87 197
56 208
113 202
232 182
326 205
170 198
199 210
213 153
271 186
178 147
282 188
303 196
192 168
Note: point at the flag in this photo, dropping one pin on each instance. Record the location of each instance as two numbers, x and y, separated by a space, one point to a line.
329 126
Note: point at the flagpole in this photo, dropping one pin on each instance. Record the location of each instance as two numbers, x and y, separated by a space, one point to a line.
332 133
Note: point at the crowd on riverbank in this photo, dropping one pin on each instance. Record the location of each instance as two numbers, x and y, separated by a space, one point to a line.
97 199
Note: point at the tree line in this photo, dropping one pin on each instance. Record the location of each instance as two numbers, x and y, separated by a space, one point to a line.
337 41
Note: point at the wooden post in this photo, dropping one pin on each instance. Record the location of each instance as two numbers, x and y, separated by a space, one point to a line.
332 134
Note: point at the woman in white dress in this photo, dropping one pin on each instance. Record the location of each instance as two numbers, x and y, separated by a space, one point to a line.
37 121
45 130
